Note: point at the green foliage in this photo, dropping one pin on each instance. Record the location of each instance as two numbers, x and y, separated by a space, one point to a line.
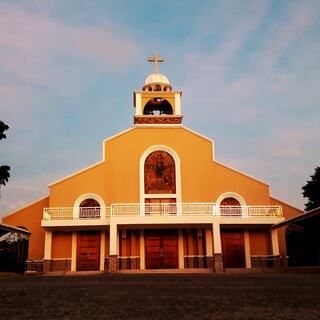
4 174
312 191
3 127
4 170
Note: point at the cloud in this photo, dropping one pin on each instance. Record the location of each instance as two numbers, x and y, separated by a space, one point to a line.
31 46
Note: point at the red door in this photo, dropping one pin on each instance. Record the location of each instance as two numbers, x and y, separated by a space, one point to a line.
88 251
233 249
161 249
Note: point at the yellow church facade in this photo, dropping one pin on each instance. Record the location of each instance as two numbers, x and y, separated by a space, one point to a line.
158 200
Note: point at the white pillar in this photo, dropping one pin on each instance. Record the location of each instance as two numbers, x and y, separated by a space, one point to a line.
142 256
113 239
216 238
274 242
247 249
47 245
74 251
180 249
102 249
177 104
209 243
138 104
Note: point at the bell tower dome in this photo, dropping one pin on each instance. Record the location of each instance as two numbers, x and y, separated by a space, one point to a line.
157 103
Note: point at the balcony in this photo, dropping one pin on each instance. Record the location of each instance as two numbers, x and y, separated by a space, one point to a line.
196 209
136 211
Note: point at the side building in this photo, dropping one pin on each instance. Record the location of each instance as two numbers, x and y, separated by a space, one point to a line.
158 200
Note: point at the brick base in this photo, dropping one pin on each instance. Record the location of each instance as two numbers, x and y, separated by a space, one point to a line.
128 263
266 262
113 263
191 262
57 265
218 263
34 266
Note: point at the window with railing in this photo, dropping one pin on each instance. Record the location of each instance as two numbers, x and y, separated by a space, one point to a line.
230 207
89 209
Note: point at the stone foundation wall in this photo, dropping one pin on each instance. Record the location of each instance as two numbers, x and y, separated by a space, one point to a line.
269 262
48 265
128 263
218 263
194 262
113 263
57 265
34 266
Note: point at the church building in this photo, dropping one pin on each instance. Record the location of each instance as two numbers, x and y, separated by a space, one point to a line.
158 199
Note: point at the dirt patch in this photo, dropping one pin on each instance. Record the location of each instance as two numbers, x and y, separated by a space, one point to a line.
178 296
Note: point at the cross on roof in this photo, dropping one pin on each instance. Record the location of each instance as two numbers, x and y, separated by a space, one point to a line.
155 59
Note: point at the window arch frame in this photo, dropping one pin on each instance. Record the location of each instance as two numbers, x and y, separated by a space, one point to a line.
231 194
176 159
78 201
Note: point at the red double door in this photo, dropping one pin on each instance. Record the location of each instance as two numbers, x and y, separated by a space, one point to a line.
161 248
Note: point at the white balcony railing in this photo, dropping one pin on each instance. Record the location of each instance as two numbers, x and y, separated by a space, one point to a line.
161 209
75 213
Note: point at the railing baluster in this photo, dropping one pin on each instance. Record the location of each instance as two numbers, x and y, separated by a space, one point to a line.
137 209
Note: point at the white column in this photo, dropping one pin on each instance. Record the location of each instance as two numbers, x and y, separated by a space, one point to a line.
113 250
102 249
177 104
142 257
247 249
47 245
209 243
74 251
180 249
274 242
138 104
216 238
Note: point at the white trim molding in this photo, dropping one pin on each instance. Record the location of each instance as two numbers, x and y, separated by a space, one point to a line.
85 196
176 159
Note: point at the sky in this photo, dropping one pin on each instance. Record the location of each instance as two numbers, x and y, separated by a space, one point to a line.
249 72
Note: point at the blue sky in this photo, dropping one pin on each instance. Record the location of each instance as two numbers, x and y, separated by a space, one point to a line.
249 72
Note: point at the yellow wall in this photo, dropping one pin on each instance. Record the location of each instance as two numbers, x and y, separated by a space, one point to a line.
30 217
288 212
129 241
61 244
117 179
259 242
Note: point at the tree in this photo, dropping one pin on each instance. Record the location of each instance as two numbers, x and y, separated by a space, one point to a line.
4 170
312 191
3 127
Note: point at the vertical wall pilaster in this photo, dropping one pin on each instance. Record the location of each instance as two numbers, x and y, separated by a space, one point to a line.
274 242
217 248
216 239
113 250
247 248
74 251
47 245
209 248
180 249
142 254
113 247
102 249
